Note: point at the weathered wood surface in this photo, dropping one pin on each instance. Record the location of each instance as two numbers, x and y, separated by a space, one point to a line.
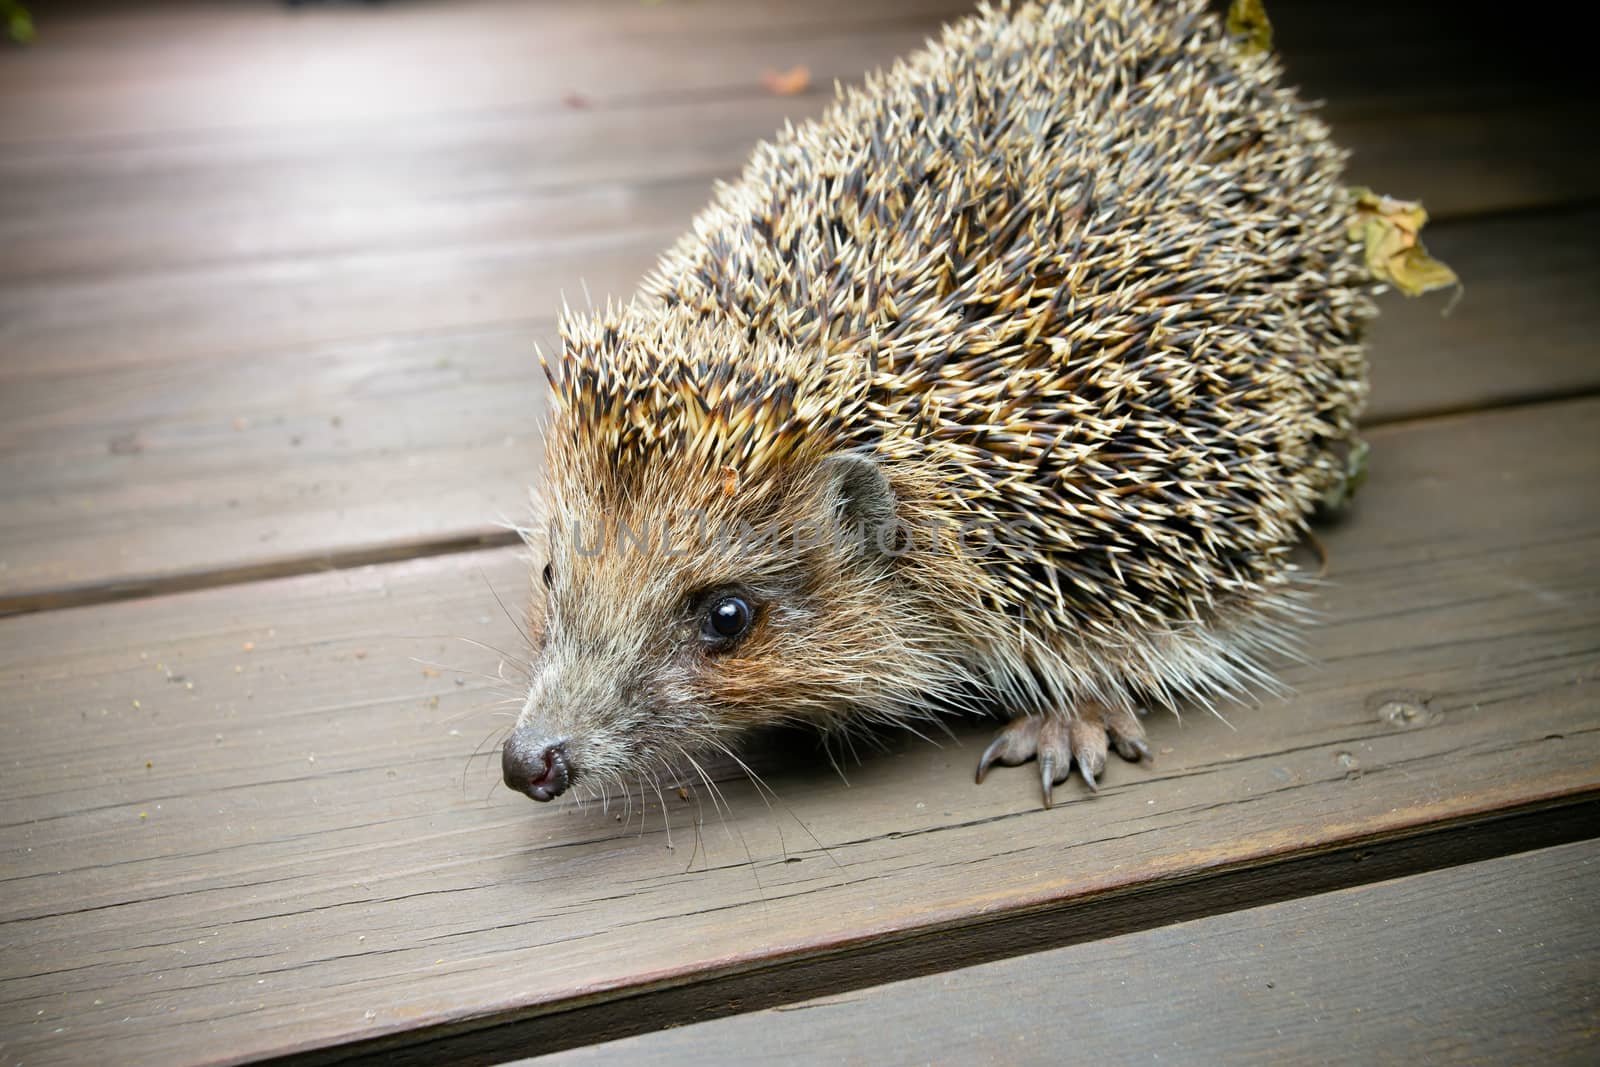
270 300
1488 963
270 287
183 68
242 821
82 213
114 72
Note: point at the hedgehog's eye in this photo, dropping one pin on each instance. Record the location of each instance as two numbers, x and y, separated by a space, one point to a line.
549 575
726 621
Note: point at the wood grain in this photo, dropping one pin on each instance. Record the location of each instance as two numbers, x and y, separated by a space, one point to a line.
242 822
1487 963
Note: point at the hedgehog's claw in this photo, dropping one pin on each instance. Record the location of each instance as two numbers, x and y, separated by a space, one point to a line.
1059 743
1088 780
1055 756
1086 735
1132 749
1125 732
1016 743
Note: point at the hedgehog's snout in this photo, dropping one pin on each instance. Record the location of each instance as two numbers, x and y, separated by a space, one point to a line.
535 765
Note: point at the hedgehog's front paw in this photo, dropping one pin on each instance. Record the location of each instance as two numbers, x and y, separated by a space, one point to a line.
1058 741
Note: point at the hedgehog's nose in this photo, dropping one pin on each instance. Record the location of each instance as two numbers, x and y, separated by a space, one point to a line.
535 765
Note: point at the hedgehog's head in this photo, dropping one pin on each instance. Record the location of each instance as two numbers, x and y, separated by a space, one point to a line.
712 562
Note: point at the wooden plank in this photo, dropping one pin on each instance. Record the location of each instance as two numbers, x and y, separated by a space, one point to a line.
1471 158
136 478
298 852
78 212
247 310
149 474
176 68
1491 962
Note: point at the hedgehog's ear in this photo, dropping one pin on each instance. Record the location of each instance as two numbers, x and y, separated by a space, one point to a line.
858 499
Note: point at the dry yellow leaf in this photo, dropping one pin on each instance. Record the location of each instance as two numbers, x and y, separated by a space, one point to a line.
1248 24
1387 229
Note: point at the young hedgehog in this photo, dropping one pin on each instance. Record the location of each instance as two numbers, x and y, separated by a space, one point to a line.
1018 374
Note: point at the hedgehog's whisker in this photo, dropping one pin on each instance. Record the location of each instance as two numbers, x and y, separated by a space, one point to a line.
764 791
506 611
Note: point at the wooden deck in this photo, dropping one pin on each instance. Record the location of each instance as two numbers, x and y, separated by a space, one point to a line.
269 285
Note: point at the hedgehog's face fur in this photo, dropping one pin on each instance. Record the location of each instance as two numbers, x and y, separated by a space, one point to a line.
667 624
710 561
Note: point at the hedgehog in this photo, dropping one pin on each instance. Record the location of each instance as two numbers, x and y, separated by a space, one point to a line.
1009 385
